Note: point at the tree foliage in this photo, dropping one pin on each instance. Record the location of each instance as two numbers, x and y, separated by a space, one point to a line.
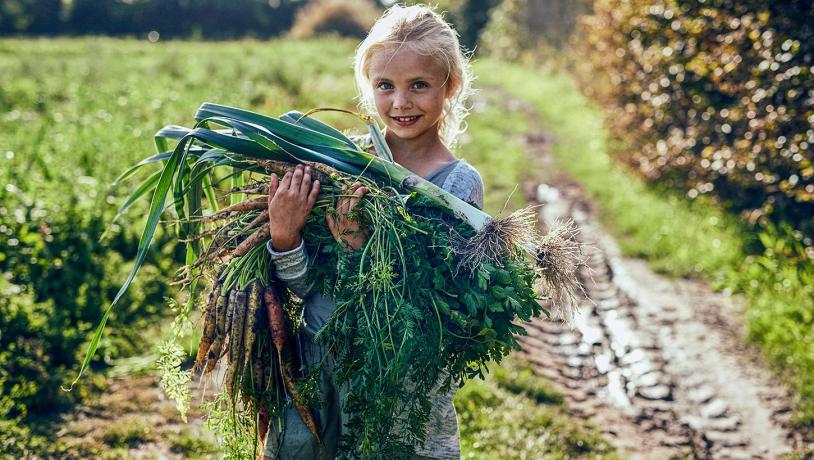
713 97
216 19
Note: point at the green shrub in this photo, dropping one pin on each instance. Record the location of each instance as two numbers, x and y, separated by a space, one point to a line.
57 278
712 97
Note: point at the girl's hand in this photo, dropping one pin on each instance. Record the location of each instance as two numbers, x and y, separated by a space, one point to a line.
290 202
344 228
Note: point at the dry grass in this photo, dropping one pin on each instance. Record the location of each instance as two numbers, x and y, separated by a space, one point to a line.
559 254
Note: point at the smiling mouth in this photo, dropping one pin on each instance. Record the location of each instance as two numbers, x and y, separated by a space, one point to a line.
405 119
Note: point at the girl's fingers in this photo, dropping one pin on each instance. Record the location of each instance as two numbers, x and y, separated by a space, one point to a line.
312 196
274 182
332 225
358 193
285 184
305 186
296 179
342 202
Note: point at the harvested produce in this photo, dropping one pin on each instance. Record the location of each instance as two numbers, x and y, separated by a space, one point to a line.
438 291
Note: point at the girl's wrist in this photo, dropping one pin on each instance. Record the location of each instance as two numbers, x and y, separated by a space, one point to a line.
284 243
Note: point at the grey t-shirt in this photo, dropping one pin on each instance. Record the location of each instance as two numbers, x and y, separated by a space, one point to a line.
462 180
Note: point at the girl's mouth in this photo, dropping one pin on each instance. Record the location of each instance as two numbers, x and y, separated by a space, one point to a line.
405 121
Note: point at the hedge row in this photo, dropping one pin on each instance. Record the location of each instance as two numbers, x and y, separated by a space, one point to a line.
714 97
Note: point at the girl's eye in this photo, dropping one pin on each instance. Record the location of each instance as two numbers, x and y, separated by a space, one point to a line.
420 85
384 85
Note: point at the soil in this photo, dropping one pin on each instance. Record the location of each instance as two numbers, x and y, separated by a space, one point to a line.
660 364
134 419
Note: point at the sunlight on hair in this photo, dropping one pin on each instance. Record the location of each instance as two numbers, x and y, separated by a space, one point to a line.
426 32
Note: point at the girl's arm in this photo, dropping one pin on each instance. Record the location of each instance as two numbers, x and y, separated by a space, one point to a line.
290 202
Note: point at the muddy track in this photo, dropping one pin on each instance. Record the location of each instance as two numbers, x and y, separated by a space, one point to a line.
659 364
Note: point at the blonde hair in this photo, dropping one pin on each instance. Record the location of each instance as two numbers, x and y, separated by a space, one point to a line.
426 32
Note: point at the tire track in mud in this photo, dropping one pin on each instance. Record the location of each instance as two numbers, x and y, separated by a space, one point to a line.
659 364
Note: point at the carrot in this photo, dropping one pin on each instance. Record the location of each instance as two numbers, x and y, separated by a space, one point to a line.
285 353
210 324
214 353
236 338
253 204
261 218
282 167
260 188
263 421
217 249
249 332
256 238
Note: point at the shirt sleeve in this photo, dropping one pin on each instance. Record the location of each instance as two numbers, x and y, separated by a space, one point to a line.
465 183
291 268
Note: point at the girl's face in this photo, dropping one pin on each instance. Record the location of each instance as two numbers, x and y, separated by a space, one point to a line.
409 91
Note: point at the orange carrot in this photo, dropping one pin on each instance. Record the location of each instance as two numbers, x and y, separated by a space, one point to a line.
285 353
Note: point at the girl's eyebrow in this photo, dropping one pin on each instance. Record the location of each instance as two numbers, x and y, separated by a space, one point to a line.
423 77
409 80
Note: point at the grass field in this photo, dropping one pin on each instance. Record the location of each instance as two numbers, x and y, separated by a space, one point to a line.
75 113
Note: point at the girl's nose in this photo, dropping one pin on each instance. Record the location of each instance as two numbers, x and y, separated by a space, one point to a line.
401 100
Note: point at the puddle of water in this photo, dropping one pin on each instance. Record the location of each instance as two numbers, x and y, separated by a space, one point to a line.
617 394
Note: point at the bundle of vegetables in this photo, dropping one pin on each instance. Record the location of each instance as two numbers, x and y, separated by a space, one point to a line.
433 296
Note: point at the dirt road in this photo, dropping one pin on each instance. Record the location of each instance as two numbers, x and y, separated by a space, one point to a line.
658 363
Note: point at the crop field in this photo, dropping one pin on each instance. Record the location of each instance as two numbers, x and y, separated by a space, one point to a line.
75 113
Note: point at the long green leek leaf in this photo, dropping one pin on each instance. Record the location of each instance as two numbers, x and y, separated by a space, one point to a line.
284 129
297 118
129 172
269 139
234 144
174 132
147 186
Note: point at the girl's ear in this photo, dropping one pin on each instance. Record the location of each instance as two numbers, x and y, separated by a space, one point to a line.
452 87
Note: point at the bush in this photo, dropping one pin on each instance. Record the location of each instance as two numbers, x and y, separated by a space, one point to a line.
348 18
57 279
713 98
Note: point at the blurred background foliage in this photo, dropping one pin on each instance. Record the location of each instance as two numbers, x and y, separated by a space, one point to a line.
714 98
710 102
348 18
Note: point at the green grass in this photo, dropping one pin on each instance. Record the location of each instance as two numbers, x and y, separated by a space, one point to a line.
75 113
128 433
678 236
190 444
514 414
492 144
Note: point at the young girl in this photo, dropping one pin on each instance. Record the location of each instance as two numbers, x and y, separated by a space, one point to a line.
411 71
